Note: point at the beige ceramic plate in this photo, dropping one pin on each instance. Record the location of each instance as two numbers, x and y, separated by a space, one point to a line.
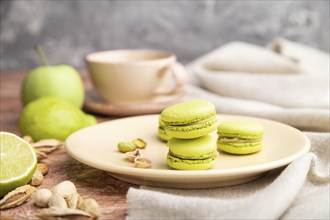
96 146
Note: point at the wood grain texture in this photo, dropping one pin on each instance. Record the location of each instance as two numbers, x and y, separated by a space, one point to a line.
90 182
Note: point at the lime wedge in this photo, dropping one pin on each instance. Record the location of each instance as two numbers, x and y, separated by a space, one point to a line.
18 162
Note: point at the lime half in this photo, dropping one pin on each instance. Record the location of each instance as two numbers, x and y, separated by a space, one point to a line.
18 162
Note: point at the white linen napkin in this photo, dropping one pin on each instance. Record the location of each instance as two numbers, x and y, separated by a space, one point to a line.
301 191
290 85
286 82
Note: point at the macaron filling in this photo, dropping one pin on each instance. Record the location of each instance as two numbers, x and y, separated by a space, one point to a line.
193 125
197 120
227 140
161 129
192 154
191 164
190 119
200 157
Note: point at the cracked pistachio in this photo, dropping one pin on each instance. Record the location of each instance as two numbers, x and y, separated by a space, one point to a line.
43 168
16 197
74 200
36 179
65 189
132 155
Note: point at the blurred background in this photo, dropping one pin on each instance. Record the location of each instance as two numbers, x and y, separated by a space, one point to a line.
68 30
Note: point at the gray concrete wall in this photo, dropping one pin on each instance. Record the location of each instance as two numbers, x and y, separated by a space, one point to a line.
68 30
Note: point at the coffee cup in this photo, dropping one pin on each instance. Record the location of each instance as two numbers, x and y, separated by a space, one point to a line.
135 75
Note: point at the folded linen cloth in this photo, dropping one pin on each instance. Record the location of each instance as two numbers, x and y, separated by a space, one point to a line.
307 119
288 83
300 191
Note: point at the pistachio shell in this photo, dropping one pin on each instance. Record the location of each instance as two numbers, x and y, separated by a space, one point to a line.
132 155
40 155
28 139
140 162
37 178
57 201
73 201
65 189
92 207
66 213
43 168
16 197
42 197
47 145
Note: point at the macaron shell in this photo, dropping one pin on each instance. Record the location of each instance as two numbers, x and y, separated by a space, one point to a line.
186 164
240 129
248 148
194 130
187 112
162 135
161 131
198 148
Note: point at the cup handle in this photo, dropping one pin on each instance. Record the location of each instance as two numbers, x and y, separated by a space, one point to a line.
179 74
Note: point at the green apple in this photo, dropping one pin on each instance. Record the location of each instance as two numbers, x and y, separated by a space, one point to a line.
60 81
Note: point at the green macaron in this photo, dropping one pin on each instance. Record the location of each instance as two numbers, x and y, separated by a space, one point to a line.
192 154
240 137
161 131
190 119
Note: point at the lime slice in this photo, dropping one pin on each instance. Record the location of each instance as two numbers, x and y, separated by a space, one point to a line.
18 162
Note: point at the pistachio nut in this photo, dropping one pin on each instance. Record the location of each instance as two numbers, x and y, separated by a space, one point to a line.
139 143
126 146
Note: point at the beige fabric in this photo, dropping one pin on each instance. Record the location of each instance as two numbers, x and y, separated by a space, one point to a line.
243 57
299 98
290 86
301 191
308 88
308 119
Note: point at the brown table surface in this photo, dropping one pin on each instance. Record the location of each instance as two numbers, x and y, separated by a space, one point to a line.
109 192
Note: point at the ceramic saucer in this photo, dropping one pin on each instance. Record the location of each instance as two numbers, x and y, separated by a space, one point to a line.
94 103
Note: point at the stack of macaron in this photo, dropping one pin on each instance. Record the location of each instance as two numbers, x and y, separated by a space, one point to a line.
187 126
